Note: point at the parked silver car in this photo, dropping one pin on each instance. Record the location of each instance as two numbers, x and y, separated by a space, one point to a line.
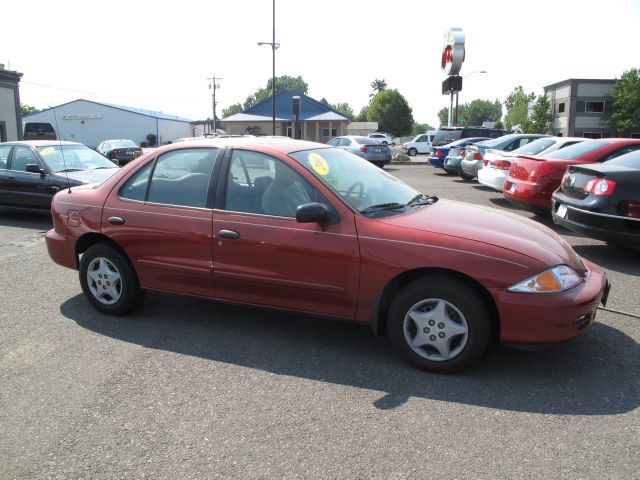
366 147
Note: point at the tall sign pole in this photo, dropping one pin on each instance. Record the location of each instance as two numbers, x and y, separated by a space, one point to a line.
453 53
213 86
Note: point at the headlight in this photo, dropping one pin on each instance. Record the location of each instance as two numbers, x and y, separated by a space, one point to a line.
556 279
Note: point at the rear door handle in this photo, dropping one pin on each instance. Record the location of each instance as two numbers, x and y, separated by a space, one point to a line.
229 234
116 220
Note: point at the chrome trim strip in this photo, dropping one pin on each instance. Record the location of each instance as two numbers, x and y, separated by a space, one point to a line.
616 217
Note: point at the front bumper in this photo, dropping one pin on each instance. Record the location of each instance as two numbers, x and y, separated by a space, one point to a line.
530 318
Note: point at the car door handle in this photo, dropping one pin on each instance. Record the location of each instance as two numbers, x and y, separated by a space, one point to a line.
116 220
230 234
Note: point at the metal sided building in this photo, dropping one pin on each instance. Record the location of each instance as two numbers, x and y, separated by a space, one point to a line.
10 127
91 122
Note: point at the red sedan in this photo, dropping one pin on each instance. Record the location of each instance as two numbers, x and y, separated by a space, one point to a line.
303 227
532 180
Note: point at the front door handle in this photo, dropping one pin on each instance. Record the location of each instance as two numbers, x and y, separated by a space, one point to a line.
229 234
116 220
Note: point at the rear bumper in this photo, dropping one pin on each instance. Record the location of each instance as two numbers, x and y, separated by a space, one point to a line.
62 249
492 177
608 228
549 318
452 164
471 167
436 162
528 196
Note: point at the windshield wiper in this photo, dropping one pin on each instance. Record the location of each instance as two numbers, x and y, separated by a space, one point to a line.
422 199
69 170
383 206
100 168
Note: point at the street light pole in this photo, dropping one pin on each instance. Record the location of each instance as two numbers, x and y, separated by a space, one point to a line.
274 46
214 86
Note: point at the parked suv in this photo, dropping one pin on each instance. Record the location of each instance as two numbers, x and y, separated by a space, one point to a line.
383 137
446 135
420 144
38 131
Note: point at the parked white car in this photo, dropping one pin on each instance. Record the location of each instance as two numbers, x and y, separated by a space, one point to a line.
420 144
497 163
382 137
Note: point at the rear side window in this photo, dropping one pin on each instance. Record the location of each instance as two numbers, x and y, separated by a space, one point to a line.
631 160
4 156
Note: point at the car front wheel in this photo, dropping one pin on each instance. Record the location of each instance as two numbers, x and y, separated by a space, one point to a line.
412 152
108 280
439 324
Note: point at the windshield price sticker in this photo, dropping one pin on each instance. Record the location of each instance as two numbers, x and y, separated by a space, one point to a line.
319 164
47 151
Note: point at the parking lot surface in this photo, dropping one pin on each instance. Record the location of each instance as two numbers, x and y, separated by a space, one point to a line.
186 388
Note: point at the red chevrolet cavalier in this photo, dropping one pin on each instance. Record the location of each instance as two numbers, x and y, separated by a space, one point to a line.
303 227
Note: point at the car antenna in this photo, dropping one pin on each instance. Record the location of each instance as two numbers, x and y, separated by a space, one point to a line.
64 162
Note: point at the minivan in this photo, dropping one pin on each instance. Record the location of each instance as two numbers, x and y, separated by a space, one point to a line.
38 131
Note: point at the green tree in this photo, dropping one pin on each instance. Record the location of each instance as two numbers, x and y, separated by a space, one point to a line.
517 104
231 110
284 82
27 110
377 86
479 111
541 119
623 112
419 128
363 115
392 112
345 109
443 116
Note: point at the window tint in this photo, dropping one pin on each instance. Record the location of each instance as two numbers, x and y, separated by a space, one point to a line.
631 160
4 155
621 151
23 156
344 142
446 136
261 184
578 149
136 187
181 177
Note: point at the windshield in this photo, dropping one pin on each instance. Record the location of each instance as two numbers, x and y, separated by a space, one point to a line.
577 150
62 158
122 143
357 182
536 146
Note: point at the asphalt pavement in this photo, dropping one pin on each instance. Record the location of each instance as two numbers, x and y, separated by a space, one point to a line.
185 388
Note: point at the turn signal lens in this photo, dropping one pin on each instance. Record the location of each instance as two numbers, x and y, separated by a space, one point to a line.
556 279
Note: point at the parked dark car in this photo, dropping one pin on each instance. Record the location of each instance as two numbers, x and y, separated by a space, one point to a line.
38 131
32 171
366 147
602 201
121 151
533 179
474 156
446 135
438 154
308 228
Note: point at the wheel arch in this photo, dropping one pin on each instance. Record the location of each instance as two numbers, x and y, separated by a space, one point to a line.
88 240
383 301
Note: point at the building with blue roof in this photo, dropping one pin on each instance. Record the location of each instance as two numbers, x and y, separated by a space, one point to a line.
91 122
319 123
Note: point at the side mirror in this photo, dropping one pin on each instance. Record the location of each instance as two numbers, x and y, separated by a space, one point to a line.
312 213
33 168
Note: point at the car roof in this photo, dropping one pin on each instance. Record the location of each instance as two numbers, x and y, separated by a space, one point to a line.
40 143
284 145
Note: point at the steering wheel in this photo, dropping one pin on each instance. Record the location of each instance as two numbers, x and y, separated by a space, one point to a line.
359 195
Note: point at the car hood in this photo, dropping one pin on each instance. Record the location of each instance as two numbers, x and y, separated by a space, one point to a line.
491 226
90 176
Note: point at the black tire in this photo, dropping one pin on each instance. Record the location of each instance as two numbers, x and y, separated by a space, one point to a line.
103 269
462 308
465 176
412 152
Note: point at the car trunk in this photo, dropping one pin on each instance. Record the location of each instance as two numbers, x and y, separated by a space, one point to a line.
375 151
574 182
525 168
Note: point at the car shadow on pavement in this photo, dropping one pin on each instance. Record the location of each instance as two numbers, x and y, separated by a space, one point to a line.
32 220
595 374
618 259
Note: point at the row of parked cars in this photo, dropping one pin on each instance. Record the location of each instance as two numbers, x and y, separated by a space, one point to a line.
590 186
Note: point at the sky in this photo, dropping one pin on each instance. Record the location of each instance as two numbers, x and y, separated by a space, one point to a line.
158 55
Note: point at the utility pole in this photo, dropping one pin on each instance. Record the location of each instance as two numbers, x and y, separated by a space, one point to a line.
274 46
213 86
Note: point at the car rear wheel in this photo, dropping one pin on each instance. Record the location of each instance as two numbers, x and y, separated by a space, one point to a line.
108 280
439 324
412 152
465 176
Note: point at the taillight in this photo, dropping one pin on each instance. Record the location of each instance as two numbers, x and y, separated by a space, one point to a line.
364 149
630 209
542 169
600 186
477 155
500 164
439 153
